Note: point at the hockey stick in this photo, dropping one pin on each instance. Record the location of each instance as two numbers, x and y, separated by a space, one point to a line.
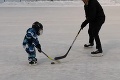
61 57
47 55
50 57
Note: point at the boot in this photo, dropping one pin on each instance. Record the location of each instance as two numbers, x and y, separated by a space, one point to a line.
88 45
97 53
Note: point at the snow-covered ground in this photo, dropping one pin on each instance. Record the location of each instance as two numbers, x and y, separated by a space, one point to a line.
61 25
75 3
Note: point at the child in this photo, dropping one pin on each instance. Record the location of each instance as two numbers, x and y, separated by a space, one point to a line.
31 41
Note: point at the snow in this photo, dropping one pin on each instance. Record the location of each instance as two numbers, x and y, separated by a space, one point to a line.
61 25
75 3
42 4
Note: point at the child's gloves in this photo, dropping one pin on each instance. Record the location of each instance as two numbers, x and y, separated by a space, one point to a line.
39 48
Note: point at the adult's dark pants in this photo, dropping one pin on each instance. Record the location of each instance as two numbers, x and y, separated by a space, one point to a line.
93 32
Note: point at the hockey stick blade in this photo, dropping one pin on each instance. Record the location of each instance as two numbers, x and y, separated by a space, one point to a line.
61 57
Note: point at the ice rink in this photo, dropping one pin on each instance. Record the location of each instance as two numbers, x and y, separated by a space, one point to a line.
61 25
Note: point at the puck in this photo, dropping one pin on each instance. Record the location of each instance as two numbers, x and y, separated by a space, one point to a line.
52 62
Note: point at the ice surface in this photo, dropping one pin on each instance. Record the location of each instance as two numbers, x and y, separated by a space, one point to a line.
61 25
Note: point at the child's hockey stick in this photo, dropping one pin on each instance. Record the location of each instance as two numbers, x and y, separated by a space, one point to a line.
50 57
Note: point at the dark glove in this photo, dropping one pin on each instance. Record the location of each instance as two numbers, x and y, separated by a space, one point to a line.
39 48
84 24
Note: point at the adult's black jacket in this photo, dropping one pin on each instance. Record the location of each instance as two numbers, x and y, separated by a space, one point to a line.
94 12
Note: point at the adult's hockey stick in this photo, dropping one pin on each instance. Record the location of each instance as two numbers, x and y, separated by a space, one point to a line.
61 57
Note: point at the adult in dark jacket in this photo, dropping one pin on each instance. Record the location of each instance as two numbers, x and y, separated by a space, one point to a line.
95 17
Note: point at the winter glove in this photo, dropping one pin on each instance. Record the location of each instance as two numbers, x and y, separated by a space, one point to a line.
39 48
84 24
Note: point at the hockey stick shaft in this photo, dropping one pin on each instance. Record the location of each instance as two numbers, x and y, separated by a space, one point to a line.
50 57
47 55
61 57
